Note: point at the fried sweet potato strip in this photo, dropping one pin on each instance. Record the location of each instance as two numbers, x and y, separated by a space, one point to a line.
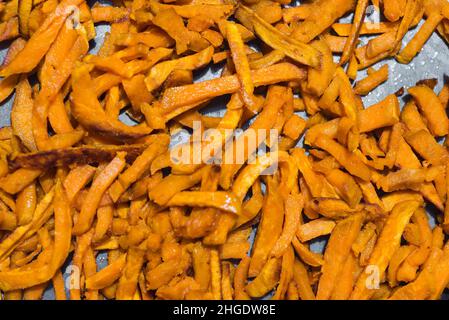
374 79
22 113
265 280
127 284
160 72
15 279
351 42
348 160
173 184
18 180
382 114
85 103
270 229
314 229
432 109
218 199
107 276
172 23
415 45
323 15
137 169
240 63
292 48
75 155
386 245
190 94
293 207
38 45
96 191
319 79
338 250
215 11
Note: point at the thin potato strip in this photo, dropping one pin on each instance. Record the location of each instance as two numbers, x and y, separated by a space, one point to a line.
218 199
387 243
99 186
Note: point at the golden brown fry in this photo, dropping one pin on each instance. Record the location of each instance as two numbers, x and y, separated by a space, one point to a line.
338 250
292 48
35 49
351 42
219 199
323 15
374 79
99 186
386 245
22 113
415 45
241 64
85 103
431 107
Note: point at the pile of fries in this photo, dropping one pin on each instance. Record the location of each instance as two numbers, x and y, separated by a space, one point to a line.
76 181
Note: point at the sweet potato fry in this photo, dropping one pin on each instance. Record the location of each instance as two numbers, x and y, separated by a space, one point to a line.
26 204
18 180
296 13
319 79
382 44
314 229
240 276
431 107
127 284
269 230
107 276
58 117
99 186
393 10
292 48
109 14
338 250
266 279
9 29
173 184
218 199
415 45
318 185
187 95
345 186
350 161
351 42
214 11
172 23
75 156
344 29
22 113
427 147
137 169
241 64
386 245
302 281
293 207
374 79
323 15
38 45
85 103
382 114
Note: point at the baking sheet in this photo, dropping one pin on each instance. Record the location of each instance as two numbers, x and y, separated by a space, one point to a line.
432 62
